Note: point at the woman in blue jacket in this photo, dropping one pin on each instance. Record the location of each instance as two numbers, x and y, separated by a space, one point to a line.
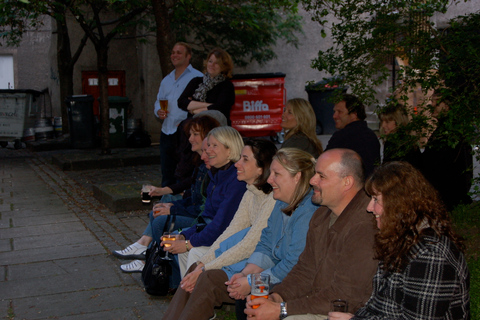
186 210
224 193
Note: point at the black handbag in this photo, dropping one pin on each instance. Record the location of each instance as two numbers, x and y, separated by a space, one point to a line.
157 270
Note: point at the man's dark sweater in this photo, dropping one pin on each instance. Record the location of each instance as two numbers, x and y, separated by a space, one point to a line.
358 137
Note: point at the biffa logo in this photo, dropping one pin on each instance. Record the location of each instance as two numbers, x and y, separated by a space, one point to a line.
249 106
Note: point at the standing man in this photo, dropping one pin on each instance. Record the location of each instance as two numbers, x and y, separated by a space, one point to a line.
349 116
171 88
338 259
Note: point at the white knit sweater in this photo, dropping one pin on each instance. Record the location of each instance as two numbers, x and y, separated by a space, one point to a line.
253 211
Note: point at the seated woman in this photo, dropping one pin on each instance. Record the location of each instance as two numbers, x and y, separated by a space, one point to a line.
189 161
244 231
422 273
298 120
224 193
399 145
213 91
186 209
280 245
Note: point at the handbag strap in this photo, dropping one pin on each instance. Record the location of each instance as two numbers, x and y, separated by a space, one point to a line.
169 225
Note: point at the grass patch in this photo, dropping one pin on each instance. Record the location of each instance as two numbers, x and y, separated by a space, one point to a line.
466 219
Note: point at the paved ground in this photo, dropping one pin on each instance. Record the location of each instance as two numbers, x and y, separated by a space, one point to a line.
56 239
55 244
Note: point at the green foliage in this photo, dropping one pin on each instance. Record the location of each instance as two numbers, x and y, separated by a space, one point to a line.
248 30
466 219
368 35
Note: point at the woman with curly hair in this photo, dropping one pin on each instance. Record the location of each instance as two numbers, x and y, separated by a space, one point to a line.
298 120
422 273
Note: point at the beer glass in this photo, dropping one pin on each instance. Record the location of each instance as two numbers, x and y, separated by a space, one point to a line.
146 198
164 105
260 286
157 210
339 305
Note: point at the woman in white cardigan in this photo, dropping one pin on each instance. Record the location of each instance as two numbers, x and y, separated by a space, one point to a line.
249 220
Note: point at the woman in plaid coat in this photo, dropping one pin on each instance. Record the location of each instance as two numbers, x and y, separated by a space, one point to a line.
422 272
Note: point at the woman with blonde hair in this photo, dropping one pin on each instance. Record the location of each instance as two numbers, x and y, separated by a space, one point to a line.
281 242
213 91
298 120
224 193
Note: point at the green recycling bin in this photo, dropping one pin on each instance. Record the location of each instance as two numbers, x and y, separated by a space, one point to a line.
118 107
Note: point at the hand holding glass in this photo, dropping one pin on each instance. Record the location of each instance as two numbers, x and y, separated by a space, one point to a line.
168 236
339 305
146 198
164 105
260 286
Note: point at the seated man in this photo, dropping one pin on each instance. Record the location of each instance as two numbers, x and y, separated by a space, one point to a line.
338 260
349 116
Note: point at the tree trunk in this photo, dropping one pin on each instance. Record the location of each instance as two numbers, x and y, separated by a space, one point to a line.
102 60
165 37
65 67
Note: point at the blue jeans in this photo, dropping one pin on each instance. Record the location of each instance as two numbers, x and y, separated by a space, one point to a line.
165 199
157 225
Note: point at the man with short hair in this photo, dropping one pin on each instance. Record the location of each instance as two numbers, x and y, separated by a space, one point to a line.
171 87
349 116
338 259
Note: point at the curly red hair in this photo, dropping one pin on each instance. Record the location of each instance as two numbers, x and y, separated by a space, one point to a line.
410 204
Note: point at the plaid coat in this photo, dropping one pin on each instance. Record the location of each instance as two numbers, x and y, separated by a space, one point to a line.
434 285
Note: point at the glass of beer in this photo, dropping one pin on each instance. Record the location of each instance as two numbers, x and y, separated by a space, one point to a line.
156 210
146 198
164 105
168 236
339 305
260 286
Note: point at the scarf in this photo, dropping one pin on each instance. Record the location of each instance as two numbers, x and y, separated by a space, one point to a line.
207 84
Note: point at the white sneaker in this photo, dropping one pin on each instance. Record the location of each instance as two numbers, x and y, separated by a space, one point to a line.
134 266
133 251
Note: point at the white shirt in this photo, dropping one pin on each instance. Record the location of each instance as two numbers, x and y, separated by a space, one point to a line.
171 90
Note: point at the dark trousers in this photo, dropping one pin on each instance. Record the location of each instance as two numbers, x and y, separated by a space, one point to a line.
240 306
168 158
210 292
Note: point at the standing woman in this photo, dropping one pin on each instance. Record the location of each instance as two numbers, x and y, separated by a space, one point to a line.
281 242
298 120
398 144
422 272
224 193
213 91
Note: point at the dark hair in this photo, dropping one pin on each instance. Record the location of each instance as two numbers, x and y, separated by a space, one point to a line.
394 112
224 60
354 105
411 205
263 151
201 124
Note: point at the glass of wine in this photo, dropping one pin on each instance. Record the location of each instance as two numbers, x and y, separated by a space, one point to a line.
168 236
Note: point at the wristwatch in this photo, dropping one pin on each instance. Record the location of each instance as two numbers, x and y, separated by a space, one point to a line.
283 311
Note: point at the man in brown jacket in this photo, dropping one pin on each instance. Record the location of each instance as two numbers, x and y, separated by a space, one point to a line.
338 259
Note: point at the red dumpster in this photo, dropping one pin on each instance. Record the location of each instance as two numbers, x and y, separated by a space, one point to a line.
259 102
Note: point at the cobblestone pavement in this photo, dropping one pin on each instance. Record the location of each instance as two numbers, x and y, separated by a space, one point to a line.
55 244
